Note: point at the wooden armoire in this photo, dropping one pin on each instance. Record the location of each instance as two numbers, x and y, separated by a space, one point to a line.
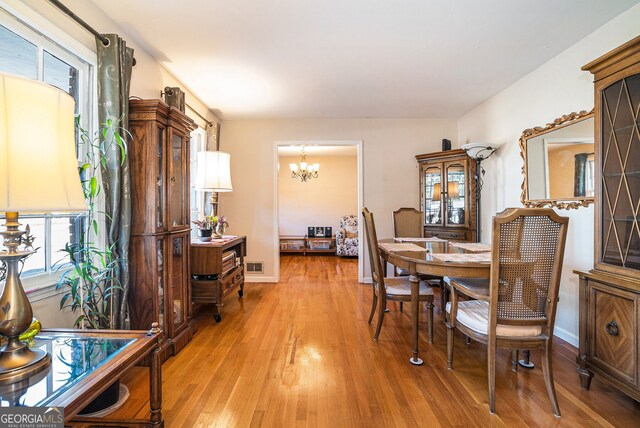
160 227
610 293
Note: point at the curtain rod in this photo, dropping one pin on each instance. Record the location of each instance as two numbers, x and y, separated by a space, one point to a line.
198 114
64 9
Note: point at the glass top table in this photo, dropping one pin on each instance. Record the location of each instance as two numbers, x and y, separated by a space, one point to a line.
83 364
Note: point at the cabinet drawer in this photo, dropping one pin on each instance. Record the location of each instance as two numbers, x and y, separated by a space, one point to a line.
446 235
613 328
232 280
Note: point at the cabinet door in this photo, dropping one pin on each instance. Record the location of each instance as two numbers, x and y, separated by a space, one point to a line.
161 278
432 195
613 330
619 192
177 279
456 200
178 198
160 178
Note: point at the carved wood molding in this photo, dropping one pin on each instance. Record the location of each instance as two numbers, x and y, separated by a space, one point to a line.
560 122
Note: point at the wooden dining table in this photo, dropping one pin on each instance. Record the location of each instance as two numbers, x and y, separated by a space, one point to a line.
422 261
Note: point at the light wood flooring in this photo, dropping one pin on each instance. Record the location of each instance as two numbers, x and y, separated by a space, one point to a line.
300 353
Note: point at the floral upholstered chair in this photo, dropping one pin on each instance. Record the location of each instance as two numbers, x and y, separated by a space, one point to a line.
347 236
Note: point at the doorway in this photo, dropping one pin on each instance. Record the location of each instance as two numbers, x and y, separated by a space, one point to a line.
322 199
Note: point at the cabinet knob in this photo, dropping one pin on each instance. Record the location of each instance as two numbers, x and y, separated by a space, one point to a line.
612 328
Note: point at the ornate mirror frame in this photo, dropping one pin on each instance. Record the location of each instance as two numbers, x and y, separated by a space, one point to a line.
565 203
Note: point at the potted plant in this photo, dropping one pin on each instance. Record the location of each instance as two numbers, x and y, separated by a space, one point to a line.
90 271
205 227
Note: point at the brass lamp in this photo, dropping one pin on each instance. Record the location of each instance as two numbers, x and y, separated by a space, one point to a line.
38 174
213 174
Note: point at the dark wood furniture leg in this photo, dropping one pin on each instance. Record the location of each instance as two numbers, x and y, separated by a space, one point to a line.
155 389
415 317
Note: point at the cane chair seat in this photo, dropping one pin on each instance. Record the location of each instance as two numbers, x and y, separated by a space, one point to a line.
474 314
400 287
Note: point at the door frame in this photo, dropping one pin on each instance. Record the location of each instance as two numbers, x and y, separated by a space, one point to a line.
276 205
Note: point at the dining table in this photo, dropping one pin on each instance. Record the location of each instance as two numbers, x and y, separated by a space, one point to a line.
433 257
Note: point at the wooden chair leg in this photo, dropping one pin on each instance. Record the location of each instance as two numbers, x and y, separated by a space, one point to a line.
468 341
401 306
547 370
380 319
430 320
373 307
514 360
450 335
491 372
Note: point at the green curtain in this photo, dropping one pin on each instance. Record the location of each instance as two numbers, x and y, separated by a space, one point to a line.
115 62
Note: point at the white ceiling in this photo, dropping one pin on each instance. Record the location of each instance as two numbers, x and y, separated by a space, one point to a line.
354 58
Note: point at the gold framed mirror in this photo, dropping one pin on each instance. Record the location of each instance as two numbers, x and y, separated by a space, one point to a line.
558 163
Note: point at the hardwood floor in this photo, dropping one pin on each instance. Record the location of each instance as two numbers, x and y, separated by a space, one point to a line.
300 353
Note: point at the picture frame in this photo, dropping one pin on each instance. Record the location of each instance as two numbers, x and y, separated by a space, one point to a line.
319 232
311 232
328 232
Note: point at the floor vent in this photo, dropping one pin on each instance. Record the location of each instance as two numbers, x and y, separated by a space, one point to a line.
255 267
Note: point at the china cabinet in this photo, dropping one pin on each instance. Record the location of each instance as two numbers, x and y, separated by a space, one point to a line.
610 293
448 195
160 243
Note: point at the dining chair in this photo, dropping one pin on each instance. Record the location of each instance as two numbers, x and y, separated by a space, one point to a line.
407 223
390 288
519 310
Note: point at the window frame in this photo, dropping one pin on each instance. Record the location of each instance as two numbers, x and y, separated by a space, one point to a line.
198 143
33 27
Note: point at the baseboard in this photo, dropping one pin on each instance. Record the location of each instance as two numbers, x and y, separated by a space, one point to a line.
566 336
259 278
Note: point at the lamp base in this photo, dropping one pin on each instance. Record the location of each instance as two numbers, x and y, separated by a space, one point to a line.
20 363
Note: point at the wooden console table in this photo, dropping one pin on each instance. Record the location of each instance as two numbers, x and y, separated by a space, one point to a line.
217 269
305 245
83 364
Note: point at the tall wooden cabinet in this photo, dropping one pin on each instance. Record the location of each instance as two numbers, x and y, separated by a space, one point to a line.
610 293
448 195
160 229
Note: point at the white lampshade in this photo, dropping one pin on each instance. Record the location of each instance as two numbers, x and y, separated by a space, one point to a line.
453 190
479 151
213 171
38 164
436 192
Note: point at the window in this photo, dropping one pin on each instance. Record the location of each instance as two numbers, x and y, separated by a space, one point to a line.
198 144
27 52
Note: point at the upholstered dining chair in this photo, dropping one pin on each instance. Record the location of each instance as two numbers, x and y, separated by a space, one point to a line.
519 310
391 288
407 223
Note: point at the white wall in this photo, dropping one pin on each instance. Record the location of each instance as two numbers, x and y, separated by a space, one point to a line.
556 88
390 169
320 201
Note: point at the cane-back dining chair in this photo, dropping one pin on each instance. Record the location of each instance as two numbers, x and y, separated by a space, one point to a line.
519 311
390 288
407 223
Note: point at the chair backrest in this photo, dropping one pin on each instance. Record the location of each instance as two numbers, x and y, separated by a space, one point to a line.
407 223
377 274
527 253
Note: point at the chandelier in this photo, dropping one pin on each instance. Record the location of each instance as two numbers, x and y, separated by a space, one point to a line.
303 170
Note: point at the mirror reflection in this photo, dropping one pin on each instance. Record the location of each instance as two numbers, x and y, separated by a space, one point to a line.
560 163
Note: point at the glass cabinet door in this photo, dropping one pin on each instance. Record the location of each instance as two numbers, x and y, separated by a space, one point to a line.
432 176
456 194
178 255
176 184
160 178
620 161
161 281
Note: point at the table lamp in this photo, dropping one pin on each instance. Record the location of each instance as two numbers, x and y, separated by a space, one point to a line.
38 174
213 174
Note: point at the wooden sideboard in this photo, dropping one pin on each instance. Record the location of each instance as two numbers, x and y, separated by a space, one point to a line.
610 293
305 245
217 269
